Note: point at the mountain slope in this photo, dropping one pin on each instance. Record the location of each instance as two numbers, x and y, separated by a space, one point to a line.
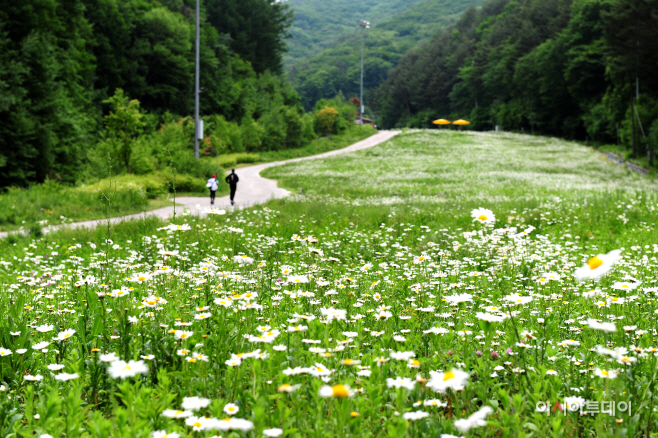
319 23
337 67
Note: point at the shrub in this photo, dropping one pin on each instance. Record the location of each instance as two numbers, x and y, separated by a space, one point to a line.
252 134
186 183
246 158
326 120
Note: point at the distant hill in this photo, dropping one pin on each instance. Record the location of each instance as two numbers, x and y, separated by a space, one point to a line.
319 23
337 67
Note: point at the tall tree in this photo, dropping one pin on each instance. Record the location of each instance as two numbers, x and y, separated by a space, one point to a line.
258 29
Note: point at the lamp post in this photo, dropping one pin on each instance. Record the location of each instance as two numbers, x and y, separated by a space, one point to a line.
364 25
197 128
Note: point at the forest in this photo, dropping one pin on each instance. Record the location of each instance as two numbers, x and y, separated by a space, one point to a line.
93 87
577 69
337 67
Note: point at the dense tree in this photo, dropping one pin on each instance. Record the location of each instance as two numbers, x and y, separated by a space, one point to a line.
337 67
558 67
61 59
44 90
258 29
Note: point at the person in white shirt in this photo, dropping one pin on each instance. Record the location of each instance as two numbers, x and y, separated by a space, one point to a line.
212 184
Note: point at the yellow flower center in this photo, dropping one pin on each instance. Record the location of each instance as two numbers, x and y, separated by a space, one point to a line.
594 263
604 372
348 361
141 279
449 375
482 217
197 424
340 391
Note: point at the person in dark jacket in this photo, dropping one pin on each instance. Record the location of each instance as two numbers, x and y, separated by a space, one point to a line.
232 180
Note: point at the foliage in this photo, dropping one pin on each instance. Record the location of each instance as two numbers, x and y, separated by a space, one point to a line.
61 63
558 67
123 124
337 68
45 97
258 29
327 120
319 24
352 134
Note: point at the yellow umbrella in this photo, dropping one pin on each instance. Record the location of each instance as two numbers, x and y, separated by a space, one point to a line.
441 122
461 122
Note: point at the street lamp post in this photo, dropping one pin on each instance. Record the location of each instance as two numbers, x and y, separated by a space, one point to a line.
196 89
364 25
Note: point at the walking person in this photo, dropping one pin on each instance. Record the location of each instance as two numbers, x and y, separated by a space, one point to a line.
232 180
213 185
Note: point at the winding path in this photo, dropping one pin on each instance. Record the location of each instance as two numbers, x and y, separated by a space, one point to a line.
252 189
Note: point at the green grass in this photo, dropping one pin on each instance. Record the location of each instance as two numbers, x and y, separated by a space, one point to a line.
557 204
441 173
54 204
353 134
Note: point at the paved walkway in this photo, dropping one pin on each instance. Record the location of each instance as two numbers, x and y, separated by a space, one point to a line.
617 159
252 189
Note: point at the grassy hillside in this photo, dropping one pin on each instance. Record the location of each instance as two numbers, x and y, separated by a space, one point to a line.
337 67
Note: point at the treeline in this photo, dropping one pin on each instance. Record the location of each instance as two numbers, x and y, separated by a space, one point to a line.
569 68
338 67
62 60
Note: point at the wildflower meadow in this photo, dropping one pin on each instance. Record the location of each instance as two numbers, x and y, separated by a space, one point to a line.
441 284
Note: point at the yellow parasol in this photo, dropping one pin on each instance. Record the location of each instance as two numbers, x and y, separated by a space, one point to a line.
461 122
441 122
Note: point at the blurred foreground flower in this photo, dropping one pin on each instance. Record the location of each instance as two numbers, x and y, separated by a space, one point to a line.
455 379
338 391
477 419
483 215
122 369
597 266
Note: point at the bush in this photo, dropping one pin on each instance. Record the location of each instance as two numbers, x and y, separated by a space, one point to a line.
252 134
326 120
141 159
275 131
225 136
186 183
246 158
